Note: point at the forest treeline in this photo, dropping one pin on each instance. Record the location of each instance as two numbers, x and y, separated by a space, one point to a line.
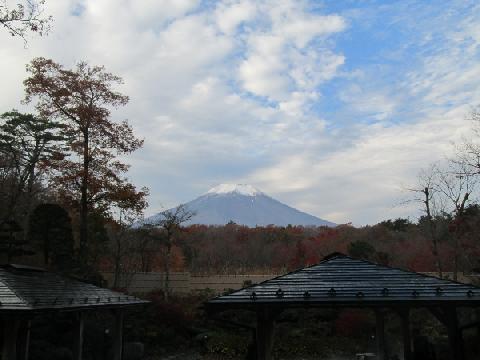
66 202
236 249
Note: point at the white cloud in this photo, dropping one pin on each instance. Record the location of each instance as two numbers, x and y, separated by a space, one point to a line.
263 73
365 180
229 15
237 91
372 103
281 58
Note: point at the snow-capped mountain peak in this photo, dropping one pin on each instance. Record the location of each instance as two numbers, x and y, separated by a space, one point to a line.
242 189
244 205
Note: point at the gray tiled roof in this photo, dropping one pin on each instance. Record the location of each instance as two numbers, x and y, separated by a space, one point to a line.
344 281
23 288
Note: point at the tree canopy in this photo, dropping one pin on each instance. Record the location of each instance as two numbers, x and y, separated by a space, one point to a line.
28 144
91 178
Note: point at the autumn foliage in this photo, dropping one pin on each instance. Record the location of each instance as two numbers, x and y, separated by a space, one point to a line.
236 249
89 176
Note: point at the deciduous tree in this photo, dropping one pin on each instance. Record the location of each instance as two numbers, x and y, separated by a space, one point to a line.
23 17
456 185
445 193
426 194
169 226
92 177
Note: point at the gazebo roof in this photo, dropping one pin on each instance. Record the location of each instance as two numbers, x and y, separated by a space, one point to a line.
24 288
340 280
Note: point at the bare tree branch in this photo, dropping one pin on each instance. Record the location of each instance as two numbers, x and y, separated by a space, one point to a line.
26 16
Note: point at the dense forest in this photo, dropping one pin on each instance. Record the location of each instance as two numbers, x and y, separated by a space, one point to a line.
235 249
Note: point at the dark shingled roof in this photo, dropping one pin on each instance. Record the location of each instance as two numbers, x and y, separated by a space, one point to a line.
27 288
340 280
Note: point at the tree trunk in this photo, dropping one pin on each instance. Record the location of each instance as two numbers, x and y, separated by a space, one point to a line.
46 247
433 235
167 271
84 196
459 233
10 247
455 259
116 274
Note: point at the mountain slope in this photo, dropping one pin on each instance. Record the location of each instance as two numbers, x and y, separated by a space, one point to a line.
244 205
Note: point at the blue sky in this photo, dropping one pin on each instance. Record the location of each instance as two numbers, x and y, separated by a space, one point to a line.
330 106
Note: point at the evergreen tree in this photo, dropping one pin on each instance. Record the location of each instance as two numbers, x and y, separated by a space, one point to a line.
50 233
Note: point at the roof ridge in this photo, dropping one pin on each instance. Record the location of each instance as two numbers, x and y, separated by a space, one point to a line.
282 275
399 269
360 283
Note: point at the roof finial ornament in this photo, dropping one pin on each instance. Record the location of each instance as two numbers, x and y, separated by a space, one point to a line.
279 293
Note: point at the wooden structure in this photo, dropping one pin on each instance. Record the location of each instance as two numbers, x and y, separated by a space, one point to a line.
183 282
26 292
343 282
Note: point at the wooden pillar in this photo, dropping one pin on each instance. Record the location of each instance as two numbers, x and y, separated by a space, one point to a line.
24 339
10 332
78 337
477 312
118 335
455 337
380 334
264 333
407 339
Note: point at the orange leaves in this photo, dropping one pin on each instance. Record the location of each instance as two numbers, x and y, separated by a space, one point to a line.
81 99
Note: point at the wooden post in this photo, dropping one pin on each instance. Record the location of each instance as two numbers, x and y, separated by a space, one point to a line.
78 337
118 335
10 331
455 337
24 339
380 334
477 312
264 333
407 340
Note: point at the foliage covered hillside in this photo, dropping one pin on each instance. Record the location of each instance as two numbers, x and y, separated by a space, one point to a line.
234 249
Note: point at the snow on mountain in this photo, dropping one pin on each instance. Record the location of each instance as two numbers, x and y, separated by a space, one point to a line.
244 205
242 189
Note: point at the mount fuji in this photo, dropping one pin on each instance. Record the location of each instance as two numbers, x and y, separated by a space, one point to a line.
244 205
